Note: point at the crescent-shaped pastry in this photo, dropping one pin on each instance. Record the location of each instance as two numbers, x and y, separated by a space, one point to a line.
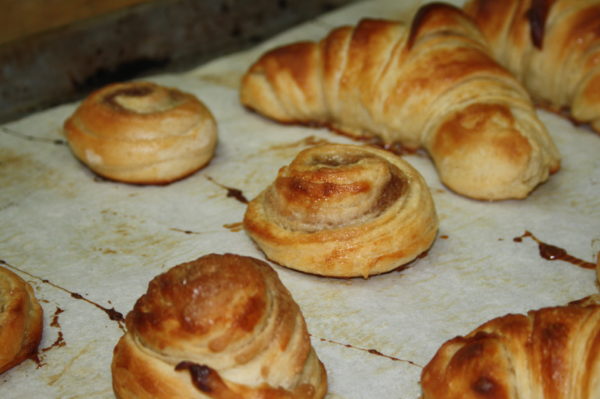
549 353
142 133
432 84
344 210
220 327
552 46
21 320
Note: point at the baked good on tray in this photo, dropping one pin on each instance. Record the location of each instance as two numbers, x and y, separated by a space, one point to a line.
141 132
344 210
21 320
220 327
553 47
552 352
430 84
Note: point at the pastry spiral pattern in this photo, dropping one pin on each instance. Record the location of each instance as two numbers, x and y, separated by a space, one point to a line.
344 211
432 84
548 353
142 133
552 46
21 320
219 327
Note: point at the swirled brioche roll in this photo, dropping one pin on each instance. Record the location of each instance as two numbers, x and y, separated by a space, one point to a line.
344 210
220 327
552 46
21 320
143 133
548 353
431 84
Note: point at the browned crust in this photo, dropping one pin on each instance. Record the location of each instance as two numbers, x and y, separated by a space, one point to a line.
556 350
210 315
21 320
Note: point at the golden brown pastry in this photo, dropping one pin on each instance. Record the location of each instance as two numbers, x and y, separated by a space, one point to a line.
548 353
344 210
220 327
431 84
143 133
21 320
552 46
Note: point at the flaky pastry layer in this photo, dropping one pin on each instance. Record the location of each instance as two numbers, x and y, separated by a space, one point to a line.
345 211
222 326
548 353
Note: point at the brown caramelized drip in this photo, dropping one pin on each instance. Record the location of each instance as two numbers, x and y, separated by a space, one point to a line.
231 192
234 227
60 340
184 231
370 351
552 252
537 15
111 313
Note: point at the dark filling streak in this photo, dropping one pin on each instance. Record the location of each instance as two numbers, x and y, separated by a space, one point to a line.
32 138
552 252
111 313
393 190
200 374
231 192
537 15
371 351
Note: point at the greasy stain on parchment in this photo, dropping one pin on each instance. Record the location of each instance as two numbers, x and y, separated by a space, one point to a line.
25 174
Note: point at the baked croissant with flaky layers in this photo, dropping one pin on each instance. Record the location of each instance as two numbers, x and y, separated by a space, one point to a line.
142 133
552 46
431 84
344 211
21 320
549 353
219 327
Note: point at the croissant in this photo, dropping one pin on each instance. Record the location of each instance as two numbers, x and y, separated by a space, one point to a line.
220 327
552 46
21 320
549 353
142 133
431 84
344 211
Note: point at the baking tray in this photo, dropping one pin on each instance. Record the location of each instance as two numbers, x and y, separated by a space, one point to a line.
89 246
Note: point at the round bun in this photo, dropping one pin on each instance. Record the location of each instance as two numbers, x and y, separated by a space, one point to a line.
142 133
344 210
222 326
21 320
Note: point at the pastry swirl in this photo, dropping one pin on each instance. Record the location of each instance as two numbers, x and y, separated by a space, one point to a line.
21 320
220 327
142 133
343 210
431 84
549 353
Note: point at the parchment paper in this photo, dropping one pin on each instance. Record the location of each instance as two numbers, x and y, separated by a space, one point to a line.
76 237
